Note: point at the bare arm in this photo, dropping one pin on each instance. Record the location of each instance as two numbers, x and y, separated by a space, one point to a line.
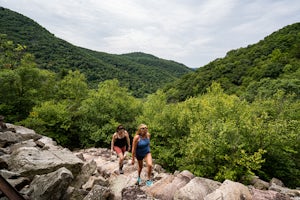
112 142
128 140
134 145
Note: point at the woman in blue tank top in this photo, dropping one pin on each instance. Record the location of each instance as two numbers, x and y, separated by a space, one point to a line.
141 151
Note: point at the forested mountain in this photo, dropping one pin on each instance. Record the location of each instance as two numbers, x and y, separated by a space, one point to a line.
141 73
259 69
235 117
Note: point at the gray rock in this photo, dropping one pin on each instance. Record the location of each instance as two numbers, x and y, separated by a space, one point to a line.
230 190
50 186
166 188
31 161
196 189
267 195
98 193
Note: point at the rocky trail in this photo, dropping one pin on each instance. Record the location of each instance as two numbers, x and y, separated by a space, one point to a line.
39 169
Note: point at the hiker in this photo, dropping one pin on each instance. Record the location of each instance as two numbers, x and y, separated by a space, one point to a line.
118 143
141 150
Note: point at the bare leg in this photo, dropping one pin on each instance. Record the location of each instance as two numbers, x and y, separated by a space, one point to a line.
148 159
140 162
121 159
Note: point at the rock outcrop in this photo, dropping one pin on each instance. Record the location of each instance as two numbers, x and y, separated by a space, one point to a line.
40 169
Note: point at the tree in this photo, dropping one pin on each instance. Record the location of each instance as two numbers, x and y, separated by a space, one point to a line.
104 109
23 85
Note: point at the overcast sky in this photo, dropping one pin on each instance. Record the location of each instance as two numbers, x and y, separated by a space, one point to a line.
192 32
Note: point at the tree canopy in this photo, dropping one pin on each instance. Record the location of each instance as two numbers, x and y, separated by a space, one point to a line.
227 125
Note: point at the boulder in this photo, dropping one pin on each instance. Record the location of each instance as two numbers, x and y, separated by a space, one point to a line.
196 189
267 195
98 192
230 190
31 161
50 186
166 187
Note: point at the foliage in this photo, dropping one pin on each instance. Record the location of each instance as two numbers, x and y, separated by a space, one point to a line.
278 125
57 55
23 85
52 119
106 108
236 116
57 118
221 137
274 60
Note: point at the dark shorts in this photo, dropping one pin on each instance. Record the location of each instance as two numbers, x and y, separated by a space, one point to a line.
141 157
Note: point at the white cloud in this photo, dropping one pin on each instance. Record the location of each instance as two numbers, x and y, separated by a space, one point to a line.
188 31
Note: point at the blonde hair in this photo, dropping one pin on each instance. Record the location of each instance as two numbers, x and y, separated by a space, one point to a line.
138 131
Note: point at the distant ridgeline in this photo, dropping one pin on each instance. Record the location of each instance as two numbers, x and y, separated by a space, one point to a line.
262 69
141 73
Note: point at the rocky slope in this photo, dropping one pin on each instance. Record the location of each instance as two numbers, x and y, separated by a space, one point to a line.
40 169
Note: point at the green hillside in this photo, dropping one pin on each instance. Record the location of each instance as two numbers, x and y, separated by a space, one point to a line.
141 73
227 137
259 69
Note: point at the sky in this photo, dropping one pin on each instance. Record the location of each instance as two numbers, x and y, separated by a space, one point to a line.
191 32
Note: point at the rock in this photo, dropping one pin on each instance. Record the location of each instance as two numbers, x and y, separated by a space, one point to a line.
98 193
134 192
31 161
75 194
50 186
230 190
8 137
196 189
267 195
86 172
167 191
95 180
259 184
118 182
284 190
276 182
24 132
41 169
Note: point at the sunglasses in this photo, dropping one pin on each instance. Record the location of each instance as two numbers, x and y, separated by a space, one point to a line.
143 128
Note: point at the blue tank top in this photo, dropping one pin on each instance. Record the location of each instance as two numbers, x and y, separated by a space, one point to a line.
143 147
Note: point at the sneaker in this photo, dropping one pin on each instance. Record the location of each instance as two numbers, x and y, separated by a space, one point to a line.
149 183
139 181
121 171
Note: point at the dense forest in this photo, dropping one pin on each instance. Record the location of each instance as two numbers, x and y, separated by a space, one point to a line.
141 73
259 69
235 117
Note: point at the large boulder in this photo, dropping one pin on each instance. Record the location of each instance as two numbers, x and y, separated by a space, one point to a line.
166 188
50 186
197 189
31 161
267 195
230 190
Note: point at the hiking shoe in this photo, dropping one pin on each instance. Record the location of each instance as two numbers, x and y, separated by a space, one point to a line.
149 183
121 171
139 181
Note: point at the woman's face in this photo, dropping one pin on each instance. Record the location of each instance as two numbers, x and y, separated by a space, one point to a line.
143 129
121 131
